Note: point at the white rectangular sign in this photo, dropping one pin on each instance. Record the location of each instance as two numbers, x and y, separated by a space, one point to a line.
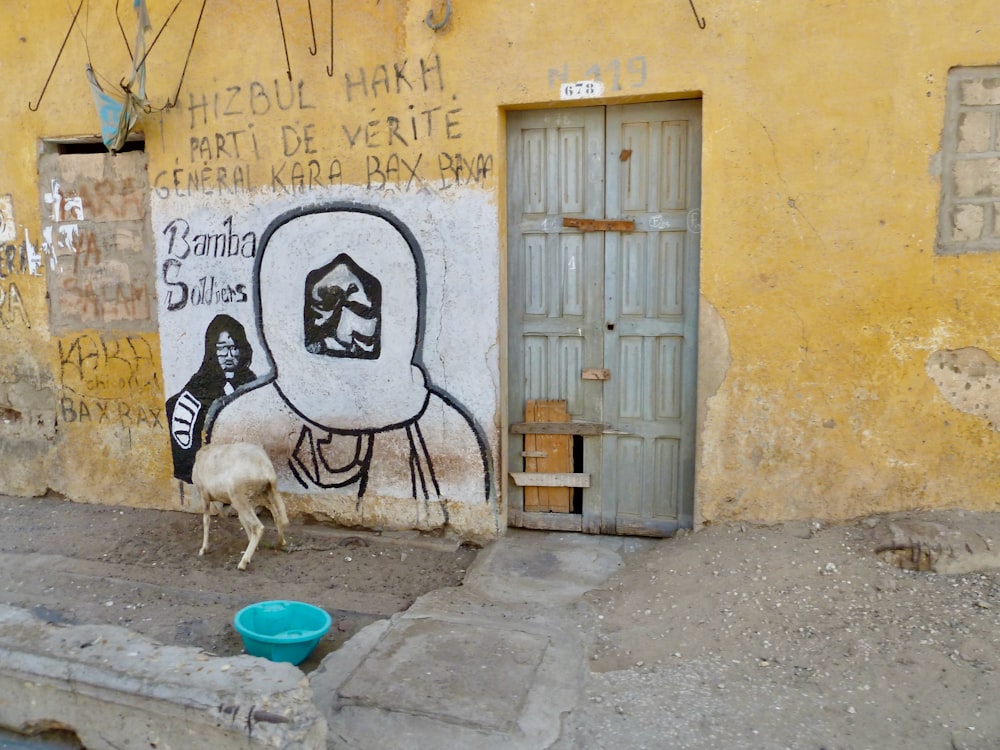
581 90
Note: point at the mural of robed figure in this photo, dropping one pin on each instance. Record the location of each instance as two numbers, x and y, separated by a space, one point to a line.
225 366
348 406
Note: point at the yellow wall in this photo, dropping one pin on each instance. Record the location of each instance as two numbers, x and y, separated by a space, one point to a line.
820 286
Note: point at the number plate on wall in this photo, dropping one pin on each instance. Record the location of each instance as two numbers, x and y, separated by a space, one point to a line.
581 90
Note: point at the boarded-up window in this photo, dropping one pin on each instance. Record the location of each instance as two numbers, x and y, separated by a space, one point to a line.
969 219
97 237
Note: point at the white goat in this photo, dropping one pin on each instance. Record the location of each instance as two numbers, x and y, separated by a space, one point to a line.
240 475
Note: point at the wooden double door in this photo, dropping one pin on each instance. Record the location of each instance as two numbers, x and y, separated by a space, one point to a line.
603 256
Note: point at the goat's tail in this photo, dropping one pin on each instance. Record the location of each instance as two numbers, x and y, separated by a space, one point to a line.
277 505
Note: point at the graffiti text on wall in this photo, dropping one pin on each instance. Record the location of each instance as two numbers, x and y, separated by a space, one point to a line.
15 258
382 147
614 75
183 242
108 411
12 310
96 200
92 288
93 234
19 259
109 381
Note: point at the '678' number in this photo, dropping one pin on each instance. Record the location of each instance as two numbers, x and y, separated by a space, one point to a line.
581 90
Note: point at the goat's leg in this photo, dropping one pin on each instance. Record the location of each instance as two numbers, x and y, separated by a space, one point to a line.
281 532
254 529
206 521
277 507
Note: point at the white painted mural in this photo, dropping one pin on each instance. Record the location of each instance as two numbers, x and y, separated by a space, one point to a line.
354 338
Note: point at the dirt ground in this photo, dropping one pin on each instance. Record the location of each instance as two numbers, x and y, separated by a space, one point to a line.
76 563
738 636
794 636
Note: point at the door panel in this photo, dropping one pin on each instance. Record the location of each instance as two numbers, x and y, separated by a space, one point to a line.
626 302
651 304
555 281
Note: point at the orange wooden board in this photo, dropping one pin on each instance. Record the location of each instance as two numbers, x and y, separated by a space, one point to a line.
549 454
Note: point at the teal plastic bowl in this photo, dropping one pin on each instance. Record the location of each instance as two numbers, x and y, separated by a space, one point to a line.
281 630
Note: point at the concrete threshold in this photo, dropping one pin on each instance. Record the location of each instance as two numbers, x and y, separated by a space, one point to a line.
497 663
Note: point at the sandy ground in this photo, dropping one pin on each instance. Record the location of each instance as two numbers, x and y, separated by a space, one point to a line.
793 636
77 563
734 636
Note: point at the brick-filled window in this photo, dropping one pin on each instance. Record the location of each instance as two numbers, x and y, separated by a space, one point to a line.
969 220
96 236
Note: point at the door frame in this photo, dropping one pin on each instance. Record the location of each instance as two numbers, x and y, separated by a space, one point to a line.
595 522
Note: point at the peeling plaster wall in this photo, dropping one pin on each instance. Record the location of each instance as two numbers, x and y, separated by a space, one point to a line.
969 380
825 312
818 253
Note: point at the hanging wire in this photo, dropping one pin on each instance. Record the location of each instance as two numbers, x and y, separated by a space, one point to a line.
699 19
281 23
329 69
34 107
188 58
162 29
83 29
120 27
437 26
170 103
313 49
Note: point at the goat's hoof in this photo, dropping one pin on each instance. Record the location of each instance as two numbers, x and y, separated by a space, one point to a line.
201 552
242 566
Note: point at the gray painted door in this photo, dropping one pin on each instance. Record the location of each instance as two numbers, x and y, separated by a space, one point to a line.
601 303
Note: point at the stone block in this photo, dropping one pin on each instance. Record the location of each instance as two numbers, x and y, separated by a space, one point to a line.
975 132
421 667
978 92
967 222
117 690
949 543
977 177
